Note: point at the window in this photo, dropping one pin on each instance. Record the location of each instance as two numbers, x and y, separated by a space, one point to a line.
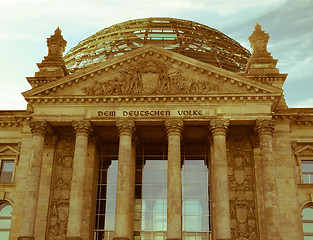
5 220
195 192
307 222
6 173
151 192
106 193
307 171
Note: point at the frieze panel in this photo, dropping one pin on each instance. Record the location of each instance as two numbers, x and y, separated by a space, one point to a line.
242 189
61 187
151 76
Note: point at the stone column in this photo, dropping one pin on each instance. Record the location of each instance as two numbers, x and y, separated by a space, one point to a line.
174 195
265 130
125 181
219 180
82 130
39 130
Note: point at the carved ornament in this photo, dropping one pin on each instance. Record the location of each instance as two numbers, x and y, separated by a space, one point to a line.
241 184
125 127
82 127
50 140
39 127
150 76
174 127
254 139
219 126
264 126
61 188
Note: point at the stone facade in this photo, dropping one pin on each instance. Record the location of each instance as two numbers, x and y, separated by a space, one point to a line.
256 144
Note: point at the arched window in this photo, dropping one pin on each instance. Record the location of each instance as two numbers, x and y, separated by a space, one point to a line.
307 222
5 220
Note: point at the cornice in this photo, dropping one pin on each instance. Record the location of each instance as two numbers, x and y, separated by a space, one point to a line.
119 63
298 116
14 118
220 98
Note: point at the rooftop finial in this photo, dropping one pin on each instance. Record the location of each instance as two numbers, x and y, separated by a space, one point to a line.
56 43
57 31
258 41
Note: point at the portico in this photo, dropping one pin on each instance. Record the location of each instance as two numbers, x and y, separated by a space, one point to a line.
156 144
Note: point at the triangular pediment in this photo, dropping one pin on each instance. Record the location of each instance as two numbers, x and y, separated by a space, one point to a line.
305 151
152 71
8 151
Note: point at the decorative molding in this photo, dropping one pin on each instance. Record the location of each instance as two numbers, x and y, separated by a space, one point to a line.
211 98
125 127
264 126
82 127
305 151
219 126
174 127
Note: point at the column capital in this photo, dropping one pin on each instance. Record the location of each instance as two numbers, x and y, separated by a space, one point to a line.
264 126
219 126
82 127
125 127
39 127
174 126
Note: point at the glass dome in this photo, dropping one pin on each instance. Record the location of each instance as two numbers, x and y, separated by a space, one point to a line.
181 36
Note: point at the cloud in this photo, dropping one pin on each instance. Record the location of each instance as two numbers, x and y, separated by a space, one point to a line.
307 103
29 22
12 36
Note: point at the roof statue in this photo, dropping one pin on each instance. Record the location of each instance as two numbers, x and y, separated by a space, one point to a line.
181 36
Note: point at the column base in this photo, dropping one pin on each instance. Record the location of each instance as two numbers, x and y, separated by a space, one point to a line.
173 239
73 238
25 238
120 238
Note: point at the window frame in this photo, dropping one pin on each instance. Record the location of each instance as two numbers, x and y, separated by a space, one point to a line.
304 154
13 155
309 205
6 218
305 159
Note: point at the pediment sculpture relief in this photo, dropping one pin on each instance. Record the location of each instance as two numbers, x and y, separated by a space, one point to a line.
150 76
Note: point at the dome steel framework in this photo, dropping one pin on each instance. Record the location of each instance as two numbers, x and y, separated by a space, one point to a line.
181 36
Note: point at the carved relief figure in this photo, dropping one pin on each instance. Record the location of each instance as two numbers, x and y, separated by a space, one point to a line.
150 76
242 189
59 203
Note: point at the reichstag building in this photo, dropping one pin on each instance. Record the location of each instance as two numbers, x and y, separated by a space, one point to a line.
156 129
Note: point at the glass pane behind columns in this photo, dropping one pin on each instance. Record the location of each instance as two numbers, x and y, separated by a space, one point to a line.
195 193
150 220
106 194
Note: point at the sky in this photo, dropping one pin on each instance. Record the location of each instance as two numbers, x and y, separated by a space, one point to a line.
26 24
